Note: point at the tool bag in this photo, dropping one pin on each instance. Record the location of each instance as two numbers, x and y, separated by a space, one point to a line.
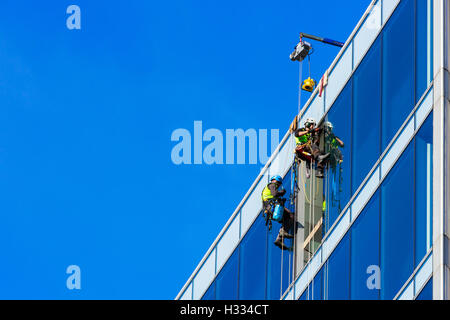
278 212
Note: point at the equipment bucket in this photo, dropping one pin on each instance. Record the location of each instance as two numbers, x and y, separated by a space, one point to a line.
278 213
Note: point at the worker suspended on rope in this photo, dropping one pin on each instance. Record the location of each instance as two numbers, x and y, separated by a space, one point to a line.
273 206
307 147
332 145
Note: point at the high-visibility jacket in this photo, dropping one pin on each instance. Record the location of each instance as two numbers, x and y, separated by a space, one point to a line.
331 142
303 139
266 194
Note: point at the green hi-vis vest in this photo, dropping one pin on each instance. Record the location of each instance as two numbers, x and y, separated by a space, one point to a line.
332 143
303 139
266 194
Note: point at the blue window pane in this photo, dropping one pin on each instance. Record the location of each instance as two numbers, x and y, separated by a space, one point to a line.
227 279
398 70
424 189
338 172
397 225
424 46
427 291
338 271
317 286
366 115
210 294
365 252
252 272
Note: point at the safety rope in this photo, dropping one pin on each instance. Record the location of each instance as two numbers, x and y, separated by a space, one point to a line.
293 182
290 146
296 172
303 182
281 273
311 203
309 65
327 193
300 75
294 227
296 169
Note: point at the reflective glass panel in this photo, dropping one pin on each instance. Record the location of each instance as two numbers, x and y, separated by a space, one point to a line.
365 252
252 272
366 115
424 189
398 70
397 225
337 179
338 271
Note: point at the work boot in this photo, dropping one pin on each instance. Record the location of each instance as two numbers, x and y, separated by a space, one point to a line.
285 234
280 244
323 157
319 173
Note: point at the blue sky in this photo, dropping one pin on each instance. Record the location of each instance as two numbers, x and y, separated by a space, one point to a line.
86 116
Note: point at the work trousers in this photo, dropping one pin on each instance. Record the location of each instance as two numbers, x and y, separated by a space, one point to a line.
307 153
288 216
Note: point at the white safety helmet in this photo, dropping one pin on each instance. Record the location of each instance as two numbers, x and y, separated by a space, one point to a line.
310 122
328 126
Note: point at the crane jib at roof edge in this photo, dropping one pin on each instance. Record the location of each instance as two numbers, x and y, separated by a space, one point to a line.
304 49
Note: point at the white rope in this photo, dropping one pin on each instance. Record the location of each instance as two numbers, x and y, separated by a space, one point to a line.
303 179
313 176
294 246
310 206
291 146
300 75
294 183
293 179
281 273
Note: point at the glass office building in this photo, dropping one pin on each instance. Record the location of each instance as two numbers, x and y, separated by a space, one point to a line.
376 226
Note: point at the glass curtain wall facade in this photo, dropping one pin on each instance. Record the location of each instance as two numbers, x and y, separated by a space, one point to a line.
366 227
